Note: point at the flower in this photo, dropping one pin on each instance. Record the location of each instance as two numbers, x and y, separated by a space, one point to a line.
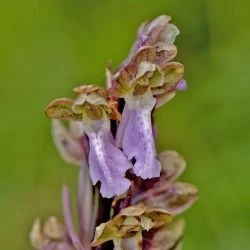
145 77
107 163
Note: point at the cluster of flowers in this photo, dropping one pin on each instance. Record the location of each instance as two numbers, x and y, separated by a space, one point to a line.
127 193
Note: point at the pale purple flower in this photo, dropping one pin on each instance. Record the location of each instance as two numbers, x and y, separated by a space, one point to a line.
107 163
135 135
146 79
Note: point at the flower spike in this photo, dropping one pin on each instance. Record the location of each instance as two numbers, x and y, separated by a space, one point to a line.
111 137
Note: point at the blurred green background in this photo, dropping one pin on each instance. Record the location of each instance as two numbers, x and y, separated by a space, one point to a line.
49 46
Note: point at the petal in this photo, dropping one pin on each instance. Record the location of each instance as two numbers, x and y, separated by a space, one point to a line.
182 85
37 239
107 163
68 146
122 126
169 33
176 199
86 215
134 242
168 237
173 165
164 98
144 68
76 129
164 53
61 246
54 229
128 70
149 33
137 136
51 246
66 200
61 109
173 74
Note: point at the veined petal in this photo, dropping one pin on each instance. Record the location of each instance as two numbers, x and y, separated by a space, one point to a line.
136 135
107 163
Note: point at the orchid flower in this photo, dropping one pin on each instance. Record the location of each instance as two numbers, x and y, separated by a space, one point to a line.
145 77
135 134
107 163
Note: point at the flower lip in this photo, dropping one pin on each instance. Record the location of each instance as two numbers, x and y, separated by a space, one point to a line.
107 163
135 135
